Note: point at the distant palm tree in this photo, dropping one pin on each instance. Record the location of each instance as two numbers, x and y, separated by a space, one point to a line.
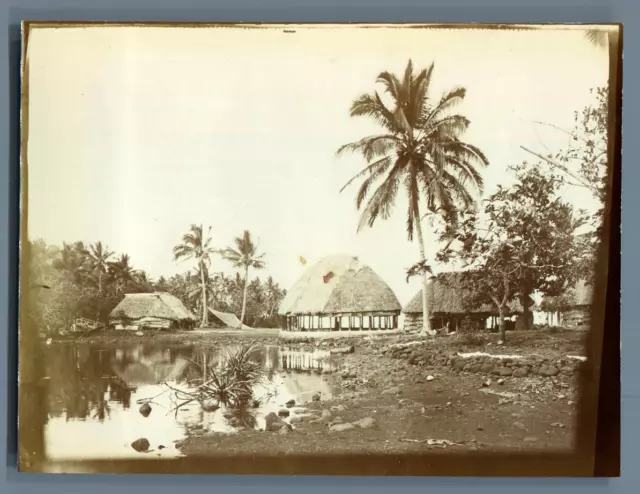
196 245
122 272
419 150
99 256
273 294
245 256
73 260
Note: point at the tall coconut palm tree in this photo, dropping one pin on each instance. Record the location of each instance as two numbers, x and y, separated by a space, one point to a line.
419 150
122 272
99 260
273 294
244 256
197 245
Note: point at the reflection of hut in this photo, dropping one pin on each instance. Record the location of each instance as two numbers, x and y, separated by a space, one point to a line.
151 311
449 303
572 309
340 293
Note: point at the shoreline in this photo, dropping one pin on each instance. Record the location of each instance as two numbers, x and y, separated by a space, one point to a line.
415 393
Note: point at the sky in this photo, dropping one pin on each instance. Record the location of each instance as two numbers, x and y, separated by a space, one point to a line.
137 132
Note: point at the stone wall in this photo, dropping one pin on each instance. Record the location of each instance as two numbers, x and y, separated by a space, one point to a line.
487 364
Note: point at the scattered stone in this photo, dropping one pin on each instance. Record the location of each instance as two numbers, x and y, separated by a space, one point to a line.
315 397
500 342
275 423
430 378
548 370
338 408
145 410
530 439
296 420
479 428
283 413
210 407
290 403
326 415
140 445
255 403
348 375
519 425
500 382
504 371
139 333
161 446
520 372
392 391
366 423
341 427
343 350
558 424
486 383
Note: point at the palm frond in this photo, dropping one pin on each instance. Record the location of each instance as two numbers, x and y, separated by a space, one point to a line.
377 168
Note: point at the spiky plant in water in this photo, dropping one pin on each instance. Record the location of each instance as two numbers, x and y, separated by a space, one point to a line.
230 382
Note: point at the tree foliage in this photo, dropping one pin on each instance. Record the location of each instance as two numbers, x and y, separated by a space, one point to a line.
65 286
523 241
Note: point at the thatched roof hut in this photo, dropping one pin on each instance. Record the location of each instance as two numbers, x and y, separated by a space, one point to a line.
158 309
445 295
579 295
340 292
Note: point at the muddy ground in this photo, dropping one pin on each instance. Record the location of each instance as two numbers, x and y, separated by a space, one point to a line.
413 404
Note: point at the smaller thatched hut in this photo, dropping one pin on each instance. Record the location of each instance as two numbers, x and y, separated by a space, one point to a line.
449 304
572 309
221 319
156 310
339 293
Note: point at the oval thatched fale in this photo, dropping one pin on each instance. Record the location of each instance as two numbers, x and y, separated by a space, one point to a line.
340 293
158 310
449 303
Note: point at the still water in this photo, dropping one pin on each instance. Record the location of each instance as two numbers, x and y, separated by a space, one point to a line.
95 392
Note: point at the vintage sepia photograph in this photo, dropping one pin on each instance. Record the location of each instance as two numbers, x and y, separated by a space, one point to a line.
315 248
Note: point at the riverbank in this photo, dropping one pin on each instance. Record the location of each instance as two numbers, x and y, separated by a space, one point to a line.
413 395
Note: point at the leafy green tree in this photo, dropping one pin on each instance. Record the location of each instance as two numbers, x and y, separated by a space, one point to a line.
419 150
525 242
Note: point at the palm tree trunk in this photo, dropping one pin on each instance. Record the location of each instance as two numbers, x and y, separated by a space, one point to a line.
244 295
426 324
205 309
99 295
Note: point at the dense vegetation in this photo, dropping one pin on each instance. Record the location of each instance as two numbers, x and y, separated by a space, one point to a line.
76 280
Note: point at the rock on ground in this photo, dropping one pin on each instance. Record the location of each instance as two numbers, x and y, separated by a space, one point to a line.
365 423
341 427
145 410
275 423
140 445
343 350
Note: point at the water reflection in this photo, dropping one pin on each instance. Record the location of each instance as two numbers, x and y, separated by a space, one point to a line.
94 394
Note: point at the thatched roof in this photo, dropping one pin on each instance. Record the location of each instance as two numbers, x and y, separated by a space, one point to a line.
339 284
158 305
580 294
227 319
445 295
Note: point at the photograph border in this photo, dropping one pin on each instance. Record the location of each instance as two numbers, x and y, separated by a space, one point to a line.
598 449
